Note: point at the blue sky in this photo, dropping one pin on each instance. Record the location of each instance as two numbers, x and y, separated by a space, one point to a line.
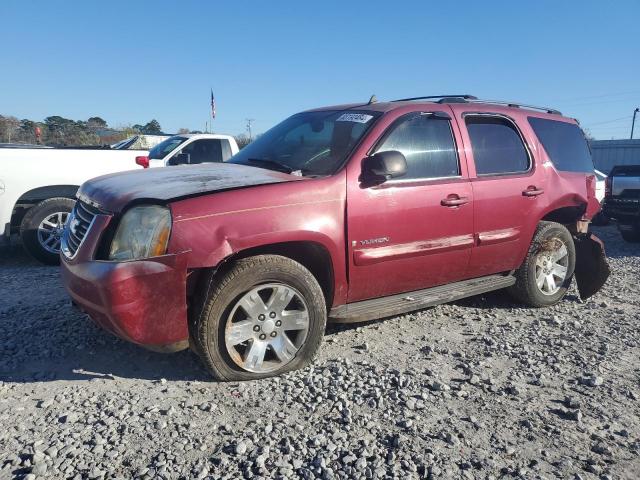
129 62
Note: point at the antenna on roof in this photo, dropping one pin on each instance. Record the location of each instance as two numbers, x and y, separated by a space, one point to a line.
372 99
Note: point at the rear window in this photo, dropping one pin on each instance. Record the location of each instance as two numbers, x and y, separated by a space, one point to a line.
564 143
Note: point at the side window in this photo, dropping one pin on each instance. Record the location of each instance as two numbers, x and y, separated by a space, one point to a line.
427 143
564 143
497 146
204 151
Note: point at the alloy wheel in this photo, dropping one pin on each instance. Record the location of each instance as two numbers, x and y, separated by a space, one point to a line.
551 267
50 231
266 327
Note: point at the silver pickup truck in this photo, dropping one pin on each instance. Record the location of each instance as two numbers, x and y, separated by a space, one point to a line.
622 200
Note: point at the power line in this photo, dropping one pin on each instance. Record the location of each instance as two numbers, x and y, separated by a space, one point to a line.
609 121
590 97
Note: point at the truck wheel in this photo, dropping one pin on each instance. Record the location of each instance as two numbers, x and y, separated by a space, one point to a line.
631 236
264 316
41 229
547 271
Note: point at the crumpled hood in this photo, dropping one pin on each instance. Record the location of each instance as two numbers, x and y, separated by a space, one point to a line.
113 192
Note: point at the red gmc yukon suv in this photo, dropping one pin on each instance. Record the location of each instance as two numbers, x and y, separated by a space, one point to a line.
344 213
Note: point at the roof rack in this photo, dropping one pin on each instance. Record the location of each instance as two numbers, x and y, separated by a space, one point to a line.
473 99
441 97
521 105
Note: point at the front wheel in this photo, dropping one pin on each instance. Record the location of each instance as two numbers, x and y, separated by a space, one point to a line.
265 316
42 226
546 273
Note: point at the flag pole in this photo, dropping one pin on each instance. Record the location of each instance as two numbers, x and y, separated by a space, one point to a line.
212 110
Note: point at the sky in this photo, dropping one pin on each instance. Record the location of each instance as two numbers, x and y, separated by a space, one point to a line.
129 62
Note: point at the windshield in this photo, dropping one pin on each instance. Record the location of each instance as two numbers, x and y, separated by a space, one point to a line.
124 144
165 147
311 143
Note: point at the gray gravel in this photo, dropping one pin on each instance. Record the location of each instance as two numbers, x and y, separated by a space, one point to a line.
479 389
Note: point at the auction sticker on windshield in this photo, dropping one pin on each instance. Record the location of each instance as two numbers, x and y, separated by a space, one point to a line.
354 117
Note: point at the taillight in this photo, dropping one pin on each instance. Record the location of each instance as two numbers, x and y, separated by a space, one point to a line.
143 161
607 186
591 185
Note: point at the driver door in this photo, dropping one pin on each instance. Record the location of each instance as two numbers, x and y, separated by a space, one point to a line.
416 231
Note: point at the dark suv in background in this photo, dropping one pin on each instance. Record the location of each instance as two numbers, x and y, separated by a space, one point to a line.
622 200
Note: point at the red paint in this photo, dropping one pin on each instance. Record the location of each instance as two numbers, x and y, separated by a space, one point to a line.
395 237
142 301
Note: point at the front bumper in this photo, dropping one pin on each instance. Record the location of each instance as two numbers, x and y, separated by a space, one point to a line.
142 301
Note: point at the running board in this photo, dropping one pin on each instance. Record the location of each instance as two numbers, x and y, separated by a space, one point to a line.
406 302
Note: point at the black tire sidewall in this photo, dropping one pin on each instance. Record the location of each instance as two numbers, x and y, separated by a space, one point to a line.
31 222
211 341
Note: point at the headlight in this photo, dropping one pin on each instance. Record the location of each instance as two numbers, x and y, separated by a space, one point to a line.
143 232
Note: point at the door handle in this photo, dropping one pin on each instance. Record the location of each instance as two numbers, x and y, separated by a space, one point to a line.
453 201
532 191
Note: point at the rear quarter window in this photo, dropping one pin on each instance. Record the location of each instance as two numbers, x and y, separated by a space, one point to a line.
564 143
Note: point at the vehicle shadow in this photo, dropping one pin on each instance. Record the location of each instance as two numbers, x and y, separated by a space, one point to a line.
13 255
44 338
107 358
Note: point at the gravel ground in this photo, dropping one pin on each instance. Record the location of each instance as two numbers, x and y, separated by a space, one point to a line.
478 389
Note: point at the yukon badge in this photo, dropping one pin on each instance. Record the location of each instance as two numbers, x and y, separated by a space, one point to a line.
374 241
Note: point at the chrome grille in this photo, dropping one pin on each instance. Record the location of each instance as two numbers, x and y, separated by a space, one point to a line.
77 227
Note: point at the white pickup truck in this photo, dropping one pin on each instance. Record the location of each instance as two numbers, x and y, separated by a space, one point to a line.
38 185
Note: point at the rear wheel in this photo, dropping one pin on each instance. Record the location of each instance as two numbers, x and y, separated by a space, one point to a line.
265 316
546 274
41 229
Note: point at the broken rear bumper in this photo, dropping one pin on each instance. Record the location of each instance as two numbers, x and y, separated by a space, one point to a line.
592 269
142 301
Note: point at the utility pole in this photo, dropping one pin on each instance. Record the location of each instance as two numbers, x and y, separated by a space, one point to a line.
633 122
249 121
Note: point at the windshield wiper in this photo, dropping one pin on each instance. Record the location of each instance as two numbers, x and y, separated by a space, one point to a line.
281 167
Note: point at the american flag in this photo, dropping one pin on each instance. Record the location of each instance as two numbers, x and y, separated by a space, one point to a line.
213 105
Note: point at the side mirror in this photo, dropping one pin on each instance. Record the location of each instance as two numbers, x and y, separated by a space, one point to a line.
180 159
383 166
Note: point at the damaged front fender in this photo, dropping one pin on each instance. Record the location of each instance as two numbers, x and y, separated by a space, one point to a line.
592 269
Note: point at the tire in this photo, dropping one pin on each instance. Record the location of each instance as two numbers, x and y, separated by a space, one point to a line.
223 298
631 236
56 209
543 246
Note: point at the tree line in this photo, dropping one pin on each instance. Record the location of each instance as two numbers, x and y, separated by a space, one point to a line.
60 131
57 130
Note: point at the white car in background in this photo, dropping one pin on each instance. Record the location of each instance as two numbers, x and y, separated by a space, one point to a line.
190 148
139 142
600 184
38 185
601 178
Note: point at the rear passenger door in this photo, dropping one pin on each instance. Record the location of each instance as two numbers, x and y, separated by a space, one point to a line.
507 188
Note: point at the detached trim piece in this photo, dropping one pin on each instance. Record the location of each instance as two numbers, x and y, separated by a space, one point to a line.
407 302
